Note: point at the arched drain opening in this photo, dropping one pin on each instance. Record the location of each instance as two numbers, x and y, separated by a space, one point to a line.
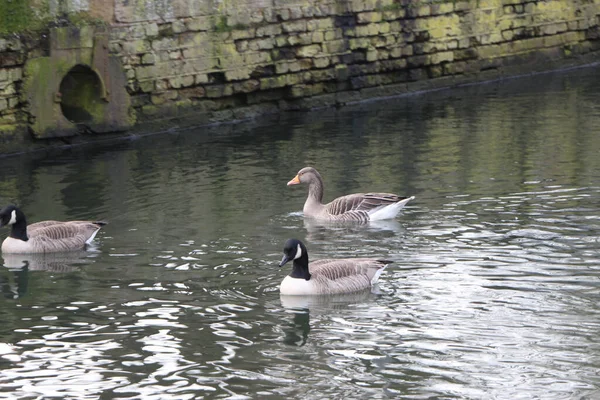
81 95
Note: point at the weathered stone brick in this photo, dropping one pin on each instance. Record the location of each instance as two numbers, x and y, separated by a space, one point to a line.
333 34
257 17
391 15
248 33
216 91
490 38
200 79
442 8
384 27
237 74
201 23
308 51
317 37
196 92
294 26
187 80
444 56
464 43
392 65
282 68
164 44
418 61
148 58
508 34
151 29
261 44
455 68
146 86
136 47
462 6
305 38
178 26
284 14
321 24
419 11
336 46
268 30
369 17
296 12
396 52
241 45
246 86
553 29
372 55
359 43
321 62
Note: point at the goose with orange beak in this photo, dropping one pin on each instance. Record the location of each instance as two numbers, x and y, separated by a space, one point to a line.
358 207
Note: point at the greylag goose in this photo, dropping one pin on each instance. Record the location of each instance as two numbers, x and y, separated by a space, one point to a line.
360 207
45 236
327 276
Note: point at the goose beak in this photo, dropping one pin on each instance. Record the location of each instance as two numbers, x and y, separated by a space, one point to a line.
294 181
284 260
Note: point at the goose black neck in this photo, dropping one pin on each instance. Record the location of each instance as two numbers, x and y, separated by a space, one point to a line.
300 268
19 229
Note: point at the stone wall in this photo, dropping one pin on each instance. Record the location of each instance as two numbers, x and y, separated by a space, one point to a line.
194 62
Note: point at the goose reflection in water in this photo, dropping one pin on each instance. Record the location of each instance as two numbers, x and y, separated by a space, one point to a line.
297 330
14 281
319 230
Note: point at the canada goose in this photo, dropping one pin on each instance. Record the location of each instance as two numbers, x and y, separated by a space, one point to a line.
327 276
45 236
360 207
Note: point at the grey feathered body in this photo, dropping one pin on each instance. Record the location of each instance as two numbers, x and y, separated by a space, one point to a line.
53 237
357 207
332 276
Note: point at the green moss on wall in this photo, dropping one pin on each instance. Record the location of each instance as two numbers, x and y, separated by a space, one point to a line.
21 16
17 16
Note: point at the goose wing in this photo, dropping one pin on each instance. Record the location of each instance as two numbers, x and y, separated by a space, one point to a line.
32 228
63 230
45 244
364 269
361 202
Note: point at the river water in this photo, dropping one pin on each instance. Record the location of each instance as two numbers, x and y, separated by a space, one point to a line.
494 290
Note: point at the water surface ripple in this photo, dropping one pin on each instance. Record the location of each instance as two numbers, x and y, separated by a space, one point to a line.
493 293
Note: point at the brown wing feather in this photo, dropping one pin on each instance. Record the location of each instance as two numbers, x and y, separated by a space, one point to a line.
50 245
338 268
64 230
361 202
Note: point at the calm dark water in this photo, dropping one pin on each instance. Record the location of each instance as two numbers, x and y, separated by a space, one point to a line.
494 292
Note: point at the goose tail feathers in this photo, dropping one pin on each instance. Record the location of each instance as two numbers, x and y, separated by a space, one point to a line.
388 211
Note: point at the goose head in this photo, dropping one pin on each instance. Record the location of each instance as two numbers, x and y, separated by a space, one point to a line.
10 215
305 175
293 250
296 251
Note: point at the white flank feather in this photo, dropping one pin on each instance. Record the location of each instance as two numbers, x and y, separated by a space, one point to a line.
389 211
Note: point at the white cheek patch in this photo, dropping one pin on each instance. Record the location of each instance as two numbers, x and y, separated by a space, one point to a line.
13 217
298 253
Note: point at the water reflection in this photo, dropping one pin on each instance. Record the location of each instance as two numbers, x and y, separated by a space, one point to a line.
297 330
51 262
14 279
493 291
